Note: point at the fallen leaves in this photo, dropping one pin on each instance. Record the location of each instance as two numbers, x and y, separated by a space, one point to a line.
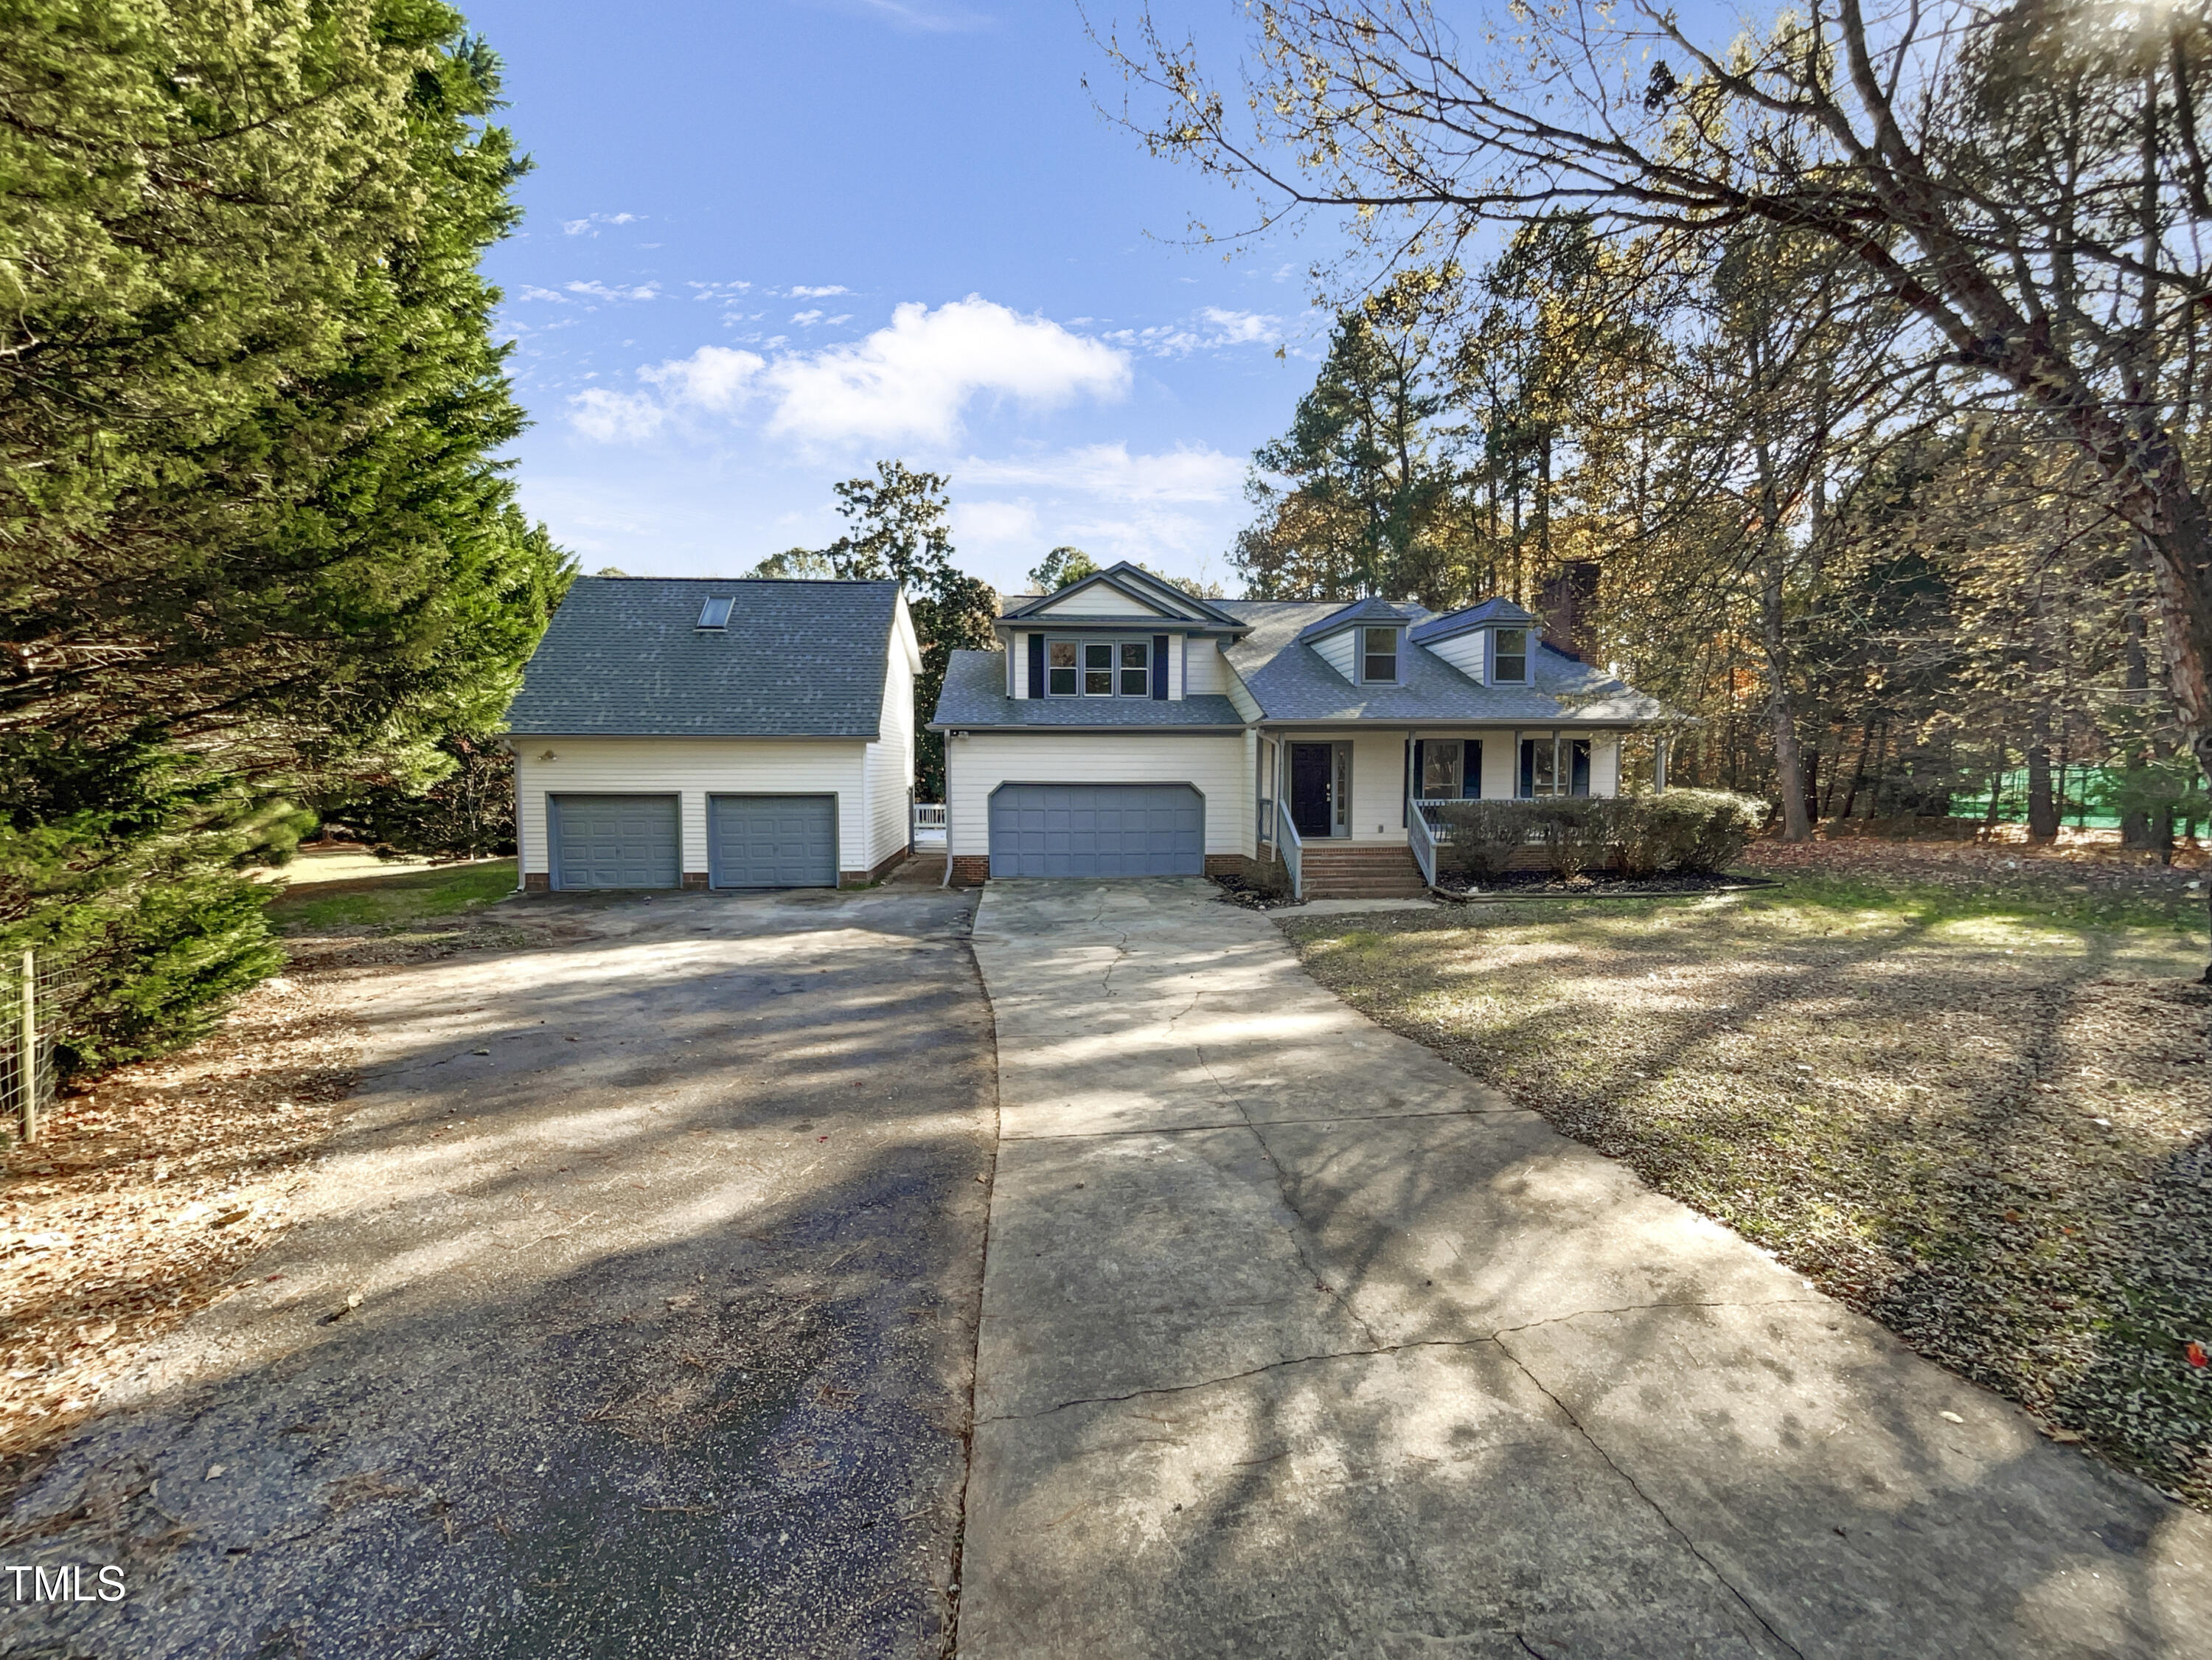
2007 1159
146 1192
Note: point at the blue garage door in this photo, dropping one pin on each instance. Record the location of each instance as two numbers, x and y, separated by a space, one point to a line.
773 840
1097 829
614 842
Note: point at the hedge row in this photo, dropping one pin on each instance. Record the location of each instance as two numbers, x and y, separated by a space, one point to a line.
1636 834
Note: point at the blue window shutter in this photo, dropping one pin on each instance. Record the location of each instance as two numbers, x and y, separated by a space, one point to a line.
1470 768
1413 777
1528 767
1160 668
1036 666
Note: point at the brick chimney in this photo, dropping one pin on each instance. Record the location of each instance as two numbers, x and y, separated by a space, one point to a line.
1570 594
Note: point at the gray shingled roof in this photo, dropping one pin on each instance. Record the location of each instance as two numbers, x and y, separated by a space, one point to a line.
975 695
1292 682
1499 612
624 658
1370 610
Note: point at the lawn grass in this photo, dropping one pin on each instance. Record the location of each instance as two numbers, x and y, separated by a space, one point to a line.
402 899
1979 1111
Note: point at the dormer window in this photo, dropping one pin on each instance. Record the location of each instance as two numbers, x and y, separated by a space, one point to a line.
1378 655
1098 668
1509 662
716 614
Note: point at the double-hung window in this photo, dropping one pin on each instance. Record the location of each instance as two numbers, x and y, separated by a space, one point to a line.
1098 668
1509 662
1378 655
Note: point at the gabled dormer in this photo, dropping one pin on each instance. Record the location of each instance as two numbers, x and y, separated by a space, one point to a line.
1366 642
1120 632
1493 643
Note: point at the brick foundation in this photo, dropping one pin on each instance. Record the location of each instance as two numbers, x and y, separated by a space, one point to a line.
861 879
537 881
695 880
971 870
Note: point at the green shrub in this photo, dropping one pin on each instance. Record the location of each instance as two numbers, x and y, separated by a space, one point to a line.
1687 830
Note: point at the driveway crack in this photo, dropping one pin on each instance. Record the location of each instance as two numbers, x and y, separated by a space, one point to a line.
1656 1508
1302 1227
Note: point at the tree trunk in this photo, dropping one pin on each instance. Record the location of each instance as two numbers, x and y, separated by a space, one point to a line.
2134 824
1789 764
2042 805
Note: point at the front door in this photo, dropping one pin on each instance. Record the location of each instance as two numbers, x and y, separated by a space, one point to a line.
1313 785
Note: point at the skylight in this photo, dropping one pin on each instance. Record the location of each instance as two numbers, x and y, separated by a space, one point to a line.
715 613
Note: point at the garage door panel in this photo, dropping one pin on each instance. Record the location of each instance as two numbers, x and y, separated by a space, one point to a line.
773 840
616 842
1097 829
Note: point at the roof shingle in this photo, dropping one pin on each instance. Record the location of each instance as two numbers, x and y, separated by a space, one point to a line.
624 658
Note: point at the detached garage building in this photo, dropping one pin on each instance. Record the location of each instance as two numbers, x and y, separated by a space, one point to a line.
745 733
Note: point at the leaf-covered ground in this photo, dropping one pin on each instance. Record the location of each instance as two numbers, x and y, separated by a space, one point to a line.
1972 1101
150 1187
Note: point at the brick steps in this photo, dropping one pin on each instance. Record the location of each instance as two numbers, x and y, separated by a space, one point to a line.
1362 874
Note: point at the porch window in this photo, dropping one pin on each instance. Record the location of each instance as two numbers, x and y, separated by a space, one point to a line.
1555 766
1447 769
1379 655
1509 662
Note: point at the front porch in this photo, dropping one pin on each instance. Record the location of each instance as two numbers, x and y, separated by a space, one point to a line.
1338 810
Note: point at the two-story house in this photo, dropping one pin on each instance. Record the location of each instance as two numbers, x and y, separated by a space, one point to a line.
1125 727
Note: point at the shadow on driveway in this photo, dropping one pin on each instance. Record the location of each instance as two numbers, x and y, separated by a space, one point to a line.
631 1311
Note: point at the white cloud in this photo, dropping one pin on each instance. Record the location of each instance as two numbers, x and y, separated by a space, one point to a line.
590 223
1211 328
1109 472
616 417
601 291
806 317
913 379
531 293
713 377
995 523
819 294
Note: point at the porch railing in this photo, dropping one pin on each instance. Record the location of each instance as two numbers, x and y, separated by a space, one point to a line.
1293 849
928 830
1421 836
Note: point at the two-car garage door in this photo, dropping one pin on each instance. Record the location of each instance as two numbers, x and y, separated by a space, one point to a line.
636 841
1097 829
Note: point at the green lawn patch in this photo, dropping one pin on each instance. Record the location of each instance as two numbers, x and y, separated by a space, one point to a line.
403 899
1979 1111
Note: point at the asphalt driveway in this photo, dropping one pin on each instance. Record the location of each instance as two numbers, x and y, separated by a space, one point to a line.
1296 1342
632 1313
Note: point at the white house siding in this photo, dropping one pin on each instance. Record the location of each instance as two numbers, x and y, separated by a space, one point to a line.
1463 652
1240 694
1205 674
1101 600
1213 762
887 769
1336 652
695 768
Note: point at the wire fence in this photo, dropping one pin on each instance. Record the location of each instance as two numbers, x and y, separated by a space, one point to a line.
36 990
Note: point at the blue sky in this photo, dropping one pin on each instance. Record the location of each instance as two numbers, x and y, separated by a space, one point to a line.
770 242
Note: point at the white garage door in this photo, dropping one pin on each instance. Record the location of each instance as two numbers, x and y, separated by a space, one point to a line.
773 840
1097 829
614 842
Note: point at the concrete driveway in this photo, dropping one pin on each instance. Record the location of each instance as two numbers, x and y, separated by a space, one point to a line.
631 1313
1296 1342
